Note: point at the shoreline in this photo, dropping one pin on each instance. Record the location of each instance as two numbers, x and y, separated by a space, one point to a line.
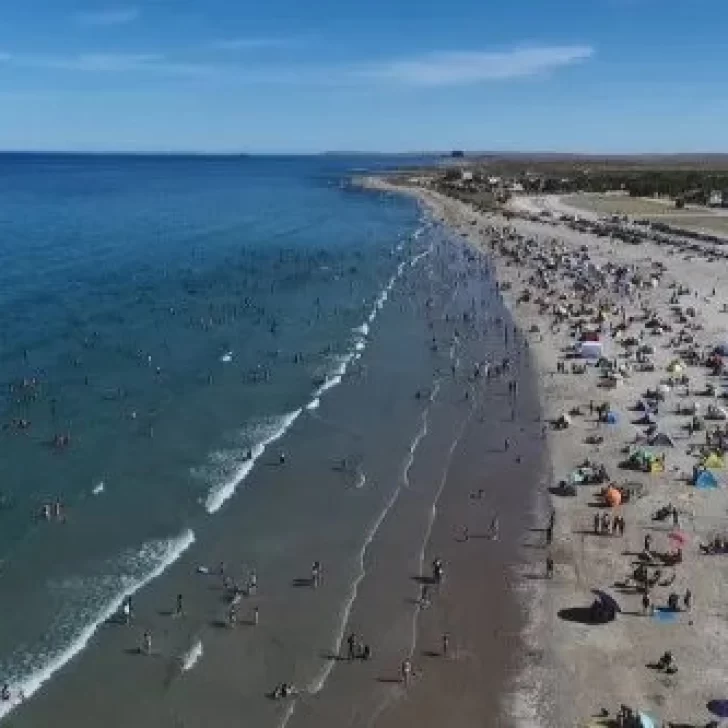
404 507
580 671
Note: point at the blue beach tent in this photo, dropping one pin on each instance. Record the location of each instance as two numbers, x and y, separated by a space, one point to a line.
706 480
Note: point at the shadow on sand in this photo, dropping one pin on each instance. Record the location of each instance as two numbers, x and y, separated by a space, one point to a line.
580 615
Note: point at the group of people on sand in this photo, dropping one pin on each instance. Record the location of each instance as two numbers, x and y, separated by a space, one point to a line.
357 649
53 511
607 525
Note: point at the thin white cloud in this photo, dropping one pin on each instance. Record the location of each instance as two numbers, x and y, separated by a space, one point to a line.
149 63
253 43
440 69
108 17
472 67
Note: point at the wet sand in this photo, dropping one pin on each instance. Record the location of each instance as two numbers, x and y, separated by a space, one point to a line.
421 458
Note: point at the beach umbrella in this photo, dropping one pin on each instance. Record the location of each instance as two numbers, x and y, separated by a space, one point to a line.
613 497
607 599
718 707
678 537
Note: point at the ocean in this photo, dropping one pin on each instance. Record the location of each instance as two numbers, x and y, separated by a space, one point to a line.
210 361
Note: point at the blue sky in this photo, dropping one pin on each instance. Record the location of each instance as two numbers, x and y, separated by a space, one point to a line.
388 75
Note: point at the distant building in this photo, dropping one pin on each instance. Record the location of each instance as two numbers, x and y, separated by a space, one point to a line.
466 175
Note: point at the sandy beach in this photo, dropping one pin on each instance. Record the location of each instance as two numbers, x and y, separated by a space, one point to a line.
578 672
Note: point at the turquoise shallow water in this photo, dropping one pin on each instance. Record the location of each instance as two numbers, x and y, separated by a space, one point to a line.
169 316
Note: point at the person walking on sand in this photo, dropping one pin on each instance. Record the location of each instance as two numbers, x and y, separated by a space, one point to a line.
406 671
316 574
147 643
646 604
252 587
351 642
232 615
445 645
424 597
494 528
179 609
256 616
549 567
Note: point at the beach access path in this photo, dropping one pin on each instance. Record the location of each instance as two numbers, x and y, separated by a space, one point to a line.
574 670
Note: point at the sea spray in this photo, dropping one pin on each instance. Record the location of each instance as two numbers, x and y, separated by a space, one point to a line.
191 657
90 603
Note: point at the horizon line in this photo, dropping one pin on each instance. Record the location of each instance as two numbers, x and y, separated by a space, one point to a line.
355 152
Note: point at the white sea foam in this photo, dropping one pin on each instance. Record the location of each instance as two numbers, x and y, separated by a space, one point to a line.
313 404
433 512
227 357
98 488
417 258
330 383
191 657
319 681
136 570
224 490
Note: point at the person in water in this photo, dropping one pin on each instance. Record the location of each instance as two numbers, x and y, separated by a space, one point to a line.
126 610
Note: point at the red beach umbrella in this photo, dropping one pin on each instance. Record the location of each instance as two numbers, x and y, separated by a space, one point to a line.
678 537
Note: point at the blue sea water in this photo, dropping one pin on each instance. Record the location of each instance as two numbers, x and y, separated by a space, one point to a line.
170 316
